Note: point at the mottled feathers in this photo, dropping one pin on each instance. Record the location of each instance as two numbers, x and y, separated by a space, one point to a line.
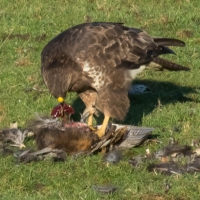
99 61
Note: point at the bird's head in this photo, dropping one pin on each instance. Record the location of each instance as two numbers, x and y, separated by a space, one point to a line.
62 109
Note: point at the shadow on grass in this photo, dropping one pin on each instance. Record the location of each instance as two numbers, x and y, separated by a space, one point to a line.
143 104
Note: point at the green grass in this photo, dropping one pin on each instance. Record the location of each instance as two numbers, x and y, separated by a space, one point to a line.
27 26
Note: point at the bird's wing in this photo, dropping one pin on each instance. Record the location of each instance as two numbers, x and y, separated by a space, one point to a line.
110 44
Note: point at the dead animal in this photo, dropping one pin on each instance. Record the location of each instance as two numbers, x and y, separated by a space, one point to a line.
71 139
75 137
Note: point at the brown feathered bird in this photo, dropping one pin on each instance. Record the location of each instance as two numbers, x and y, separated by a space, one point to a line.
99 60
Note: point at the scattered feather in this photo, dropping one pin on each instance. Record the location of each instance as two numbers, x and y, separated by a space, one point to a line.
28 156
14 136
195 143
138 160
113 156
167 187
174 150
134 135
4 150
168 168
105 189
169 160
193 166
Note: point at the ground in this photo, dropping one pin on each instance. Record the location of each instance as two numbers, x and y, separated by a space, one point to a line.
172 108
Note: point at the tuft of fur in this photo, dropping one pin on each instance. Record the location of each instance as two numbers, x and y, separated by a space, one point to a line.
71 140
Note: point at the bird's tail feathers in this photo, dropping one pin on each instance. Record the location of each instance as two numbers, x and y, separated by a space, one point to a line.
161 64
169 42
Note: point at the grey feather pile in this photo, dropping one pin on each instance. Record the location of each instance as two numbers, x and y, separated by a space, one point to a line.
171 159
44 154
15 137
113 156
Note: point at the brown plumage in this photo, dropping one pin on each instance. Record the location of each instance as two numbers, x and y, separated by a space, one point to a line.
99 61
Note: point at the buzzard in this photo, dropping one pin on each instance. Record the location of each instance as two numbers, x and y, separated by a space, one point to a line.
99 60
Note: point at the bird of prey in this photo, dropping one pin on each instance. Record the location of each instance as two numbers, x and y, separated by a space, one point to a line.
99 60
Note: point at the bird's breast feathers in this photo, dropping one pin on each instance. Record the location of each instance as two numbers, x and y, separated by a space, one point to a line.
104 75
96 73
134 72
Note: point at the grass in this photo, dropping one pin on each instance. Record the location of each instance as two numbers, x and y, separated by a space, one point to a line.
27 26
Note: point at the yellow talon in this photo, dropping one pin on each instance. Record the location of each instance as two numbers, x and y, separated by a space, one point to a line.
101 132
90 120
92 128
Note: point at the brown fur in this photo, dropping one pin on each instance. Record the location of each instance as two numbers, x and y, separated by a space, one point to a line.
72 140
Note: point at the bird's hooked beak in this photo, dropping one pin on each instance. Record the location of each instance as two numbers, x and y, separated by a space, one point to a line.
62 109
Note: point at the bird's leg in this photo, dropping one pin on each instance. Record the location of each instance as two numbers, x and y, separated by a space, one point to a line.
89 99
90 118
101 132
90 111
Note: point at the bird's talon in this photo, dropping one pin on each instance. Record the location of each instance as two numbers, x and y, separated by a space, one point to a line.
100 133
92 128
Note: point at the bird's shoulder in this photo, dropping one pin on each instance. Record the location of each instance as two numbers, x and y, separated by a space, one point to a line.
97 41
